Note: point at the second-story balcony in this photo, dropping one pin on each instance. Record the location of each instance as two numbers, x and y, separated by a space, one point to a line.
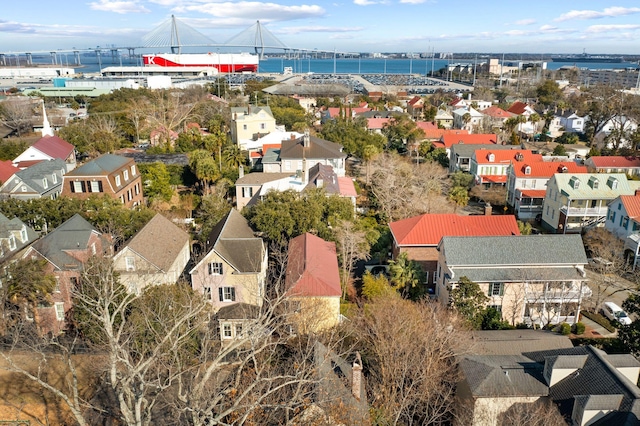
584 211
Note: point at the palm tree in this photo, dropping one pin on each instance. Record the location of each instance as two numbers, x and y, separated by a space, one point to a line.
407 276
369 152
233 156
466 118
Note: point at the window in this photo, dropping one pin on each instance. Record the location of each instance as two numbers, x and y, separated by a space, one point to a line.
93 249
263 126
238 330
226 331
60 311
133 170
625 223
496 307
227 294
215 268
12 242
77 186
57 287
613 217
96 186
244 127
287 165
247 192
496 289
130 263
533 183
23 234
636 226
117 180
126 175
137 189
54 178
74 283
24 188
45 183
619 206
527 170
207 293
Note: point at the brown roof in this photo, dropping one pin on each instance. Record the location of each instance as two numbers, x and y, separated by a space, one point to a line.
260 178
318 148
312 268
159 242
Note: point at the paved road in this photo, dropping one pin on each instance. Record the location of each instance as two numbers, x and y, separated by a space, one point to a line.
607 288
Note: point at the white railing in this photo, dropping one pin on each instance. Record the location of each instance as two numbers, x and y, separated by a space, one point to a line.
584 211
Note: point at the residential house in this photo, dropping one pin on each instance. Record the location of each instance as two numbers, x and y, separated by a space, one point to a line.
234 266
376 125
496 116
41 180
451 138
613 164
415 107
298 155
15 235
444 119
252 187
271 140
531 279
623 220
312 283
467 118
490 167
66 250
518 368
419 236
236 320
333 113
108 174
7 169
48 148
460 156
247 122
576 201
305 102
526 111
620 125
433 133
155 255
163 137
460 102
571 122
527 184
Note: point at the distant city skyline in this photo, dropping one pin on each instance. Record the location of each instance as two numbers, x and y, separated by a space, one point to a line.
416 26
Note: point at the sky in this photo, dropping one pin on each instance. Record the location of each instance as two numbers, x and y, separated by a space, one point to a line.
412 26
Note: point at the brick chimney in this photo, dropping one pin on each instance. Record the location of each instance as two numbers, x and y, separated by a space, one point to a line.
488 210
356 377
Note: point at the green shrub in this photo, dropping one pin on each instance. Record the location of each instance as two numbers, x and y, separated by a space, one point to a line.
578 328
522 326
600 320
565 329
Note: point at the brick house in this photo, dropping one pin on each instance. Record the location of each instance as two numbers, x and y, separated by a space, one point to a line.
108 174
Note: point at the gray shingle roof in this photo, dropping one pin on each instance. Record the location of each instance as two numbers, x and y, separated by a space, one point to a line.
514 250
318 148
503 375
515 342
518 274
465 150
33 175
101 166
260 178
7 226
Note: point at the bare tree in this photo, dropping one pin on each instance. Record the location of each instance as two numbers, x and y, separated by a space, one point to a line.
352 246
170 109
16 114
543 412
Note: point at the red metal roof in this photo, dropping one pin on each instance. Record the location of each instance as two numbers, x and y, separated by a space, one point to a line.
449 139
546 168
25 164
347 188
631 204
615 161
312 268
517 108
496 112
428 229
377 123
533 193
505 156
7 170
494 178
54 147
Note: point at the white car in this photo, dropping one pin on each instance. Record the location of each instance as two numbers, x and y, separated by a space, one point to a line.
615 313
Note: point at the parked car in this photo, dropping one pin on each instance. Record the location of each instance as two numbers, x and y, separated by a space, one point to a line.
615 313
599 263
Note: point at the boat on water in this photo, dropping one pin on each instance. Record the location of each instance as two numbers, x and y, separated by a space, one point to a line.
585 57
223 62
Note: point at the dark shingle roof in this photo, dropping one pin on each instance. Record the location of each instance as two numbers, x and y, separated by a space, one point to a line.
518 274
238 311
101 166
515 342
260 178
515 250
318 148
503 375
33 175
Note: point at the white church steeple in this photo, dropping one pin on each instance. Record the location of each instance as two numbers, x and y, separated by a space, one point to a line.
46 127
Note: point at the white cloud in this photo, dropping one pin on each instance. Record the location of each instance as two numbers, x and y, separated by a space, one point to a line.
608 12
121 7
364 2
267 12
414 1
525 22
610 28
317 29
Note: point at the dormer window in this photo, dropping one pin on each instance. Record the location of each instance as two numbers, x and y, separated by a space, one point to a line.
574 182
126 175
45 184
594 182
54 178
23 234
491 157
133 170
118 180
12 242
612 183
527 170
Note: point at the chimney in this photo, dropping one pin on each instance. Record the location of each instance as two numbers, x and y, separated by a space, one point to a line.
293 136
241 171
306 139
487 209
356 377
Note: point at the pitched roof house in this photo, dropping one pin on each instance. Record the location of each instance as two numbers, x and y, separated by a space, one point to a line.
246 122
66 249
234 267
156 255
108 174
613 164
450 138
15 235
312 282
532 279
623 220
460 156
7 169
490 167
419 236
48 148
576 201
41 180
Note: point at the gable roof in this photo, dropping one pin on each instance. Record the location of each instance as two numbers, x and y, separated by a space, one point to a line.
415 100
312 268
233 240
7 169
517 250
615 161
377 123
54 147
449 139
318 148
503 375
12 226
564 182
546 168
631 205
464 150
73 235
515 342
497 112
428 229
33 176
159 242
518 108
506 156
101 166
